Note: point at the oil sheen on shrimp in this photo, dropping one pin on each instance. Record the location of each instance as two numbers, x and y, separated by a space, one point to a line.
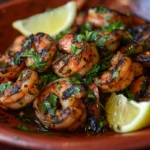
70 112
22 92
71 62
118 76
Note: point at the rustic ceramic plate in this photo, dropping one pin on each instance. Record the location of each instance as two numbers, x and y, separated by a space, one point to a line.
17 9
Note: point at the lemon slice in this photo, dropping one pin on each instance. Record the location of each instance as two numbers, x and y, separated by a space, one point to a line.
127 116
51 22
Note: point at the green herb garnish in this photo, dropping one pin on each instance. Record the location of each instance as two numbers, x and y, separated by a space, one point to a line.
91 94
105 63
47 77
100 9
49 105
91 74
115 75
75 79
114 26
23 128
131 51
75 50
5 86
36 57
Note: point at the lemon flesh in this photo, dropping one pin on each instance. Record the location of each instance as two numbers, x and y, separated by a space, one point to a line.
51 22
127 116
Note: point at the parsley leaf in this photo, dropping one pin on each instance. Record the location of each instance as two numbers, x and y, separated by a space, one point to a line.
47 77
91 94
129 94
91 74
49 105
23 128
5 86
86 27
115 75
75 50
36 57
105 63
114 26
100 9
75 79
101 41
131 51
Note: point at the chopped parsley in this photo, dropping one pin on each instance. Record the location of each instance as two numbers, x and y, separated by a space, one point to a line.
100 9
131 51
5 86
86 27
90 94
129 94
114 26
4 65
36 57
80 38
47 77
101 41
75 50
75 79
115 75
23 128
49 105
91 74
105 63
69 71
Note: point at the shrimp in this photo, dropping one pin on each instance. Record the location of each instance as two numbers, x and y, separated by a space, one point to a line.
110 41
22 92
65 99
118 76
141 40
41 50
80 59
8 68
94 108
100 17
140 88
137 69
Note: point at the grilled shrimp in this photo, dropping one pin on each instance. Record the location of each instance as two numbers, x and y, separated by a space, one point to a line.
42 46
65 109
137 69
94 108
141 38
22 92
140 88
79 57
8 68
118 76
110 41
100 16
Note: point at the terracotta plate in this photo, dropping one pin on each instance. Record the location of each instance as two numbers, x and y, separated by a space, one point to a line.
17 9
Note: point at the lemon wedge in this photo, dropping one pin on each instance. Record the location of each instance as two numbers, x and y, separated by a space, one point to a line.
51 22
127 116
